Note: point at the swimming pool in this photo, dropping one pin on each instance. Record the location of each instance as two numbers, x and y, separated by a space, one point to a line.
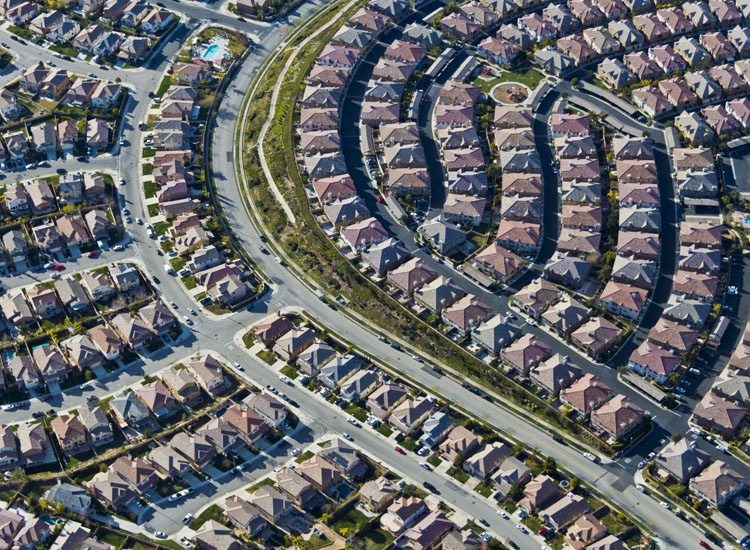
211 52
747 221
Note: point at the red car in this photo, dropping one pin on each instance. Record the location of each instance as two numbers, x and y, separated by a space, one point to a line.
241 19
399 450
47 397
170 71
59 267
92 254
542 531
704 544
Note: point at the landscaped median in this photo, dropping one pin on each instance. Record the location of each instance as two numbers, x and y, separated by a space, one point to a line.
315 255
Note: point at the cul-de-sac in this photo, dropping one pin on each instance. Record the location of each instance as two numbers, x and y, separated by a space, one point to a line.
374 274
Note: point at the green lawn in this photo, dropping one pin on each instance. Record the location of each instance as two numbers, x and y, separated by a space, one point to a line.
178 263
304 456
63 50
111 538
290 371
349 520
190 282
164 86
459 474
408 443
248 339
357 412
161 227
268 356
483 489
213 512
20 31
261 483
384 429
529 77
375 538
201 295
149 152
149 190
153 209
147 169
434 460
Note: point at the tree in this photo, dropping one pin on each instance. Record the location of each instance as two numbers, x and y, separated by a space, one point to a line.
574 82
458 462
675 437
574 482
515 491
550 465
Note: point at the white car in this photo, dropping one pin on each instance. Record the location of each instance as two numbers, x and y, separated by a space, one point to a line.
530 321
122 181
118 248
160 535
139 221
502 514
347 436
591 457
521 528
191 311
353 422
295 452
665 504
425 466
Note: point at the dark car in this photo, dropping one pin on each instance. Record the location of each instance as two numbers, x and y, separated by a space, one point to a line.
155 279
83 159
484 522
557 438
61 171
430 487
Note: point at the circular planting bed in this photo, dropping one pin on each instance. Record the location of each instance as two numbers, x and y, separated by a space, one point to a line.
510 93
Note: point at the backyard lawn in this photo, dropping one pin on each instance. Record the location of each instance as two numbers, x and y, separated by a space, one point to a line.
349 520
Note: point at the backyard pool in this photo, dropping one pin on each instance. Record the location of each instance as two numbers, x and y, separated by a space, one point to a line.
211 52
747 221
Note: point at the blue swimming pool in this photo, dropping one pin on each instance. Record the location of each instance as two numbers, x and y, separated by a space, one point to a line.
211 52
747 221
